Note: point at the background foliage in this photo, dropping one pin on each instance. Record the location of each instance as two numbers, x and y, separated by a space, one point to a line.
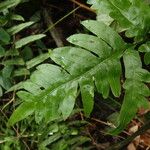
111 58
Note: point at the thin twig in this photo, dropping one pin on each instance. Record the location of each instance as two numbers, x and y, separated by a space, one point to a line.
26 145
83 6
13 98
61 19
108 124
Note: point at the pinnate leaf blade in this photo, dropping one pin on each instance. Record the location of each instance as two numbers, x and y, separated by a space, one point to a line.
24 110
133 94
15 29
87 93
22 42
54 87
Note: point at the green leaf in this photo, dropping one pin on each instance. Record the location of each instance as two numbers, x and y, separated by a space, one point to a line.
74 60
87 93
147 58
3 20
109 36
134 98
146 48
67 104
22 112
2 51
112 9
17 17
49 140
15 87
132 16
54 87
102 9
27 53
23 95
1 91
76 141
134 67
114 77
5 82
11 52
7 71
27 85
17 61
91 43
132 61
8 4
37 60
21 72
4 36
15 29
24 41
101 82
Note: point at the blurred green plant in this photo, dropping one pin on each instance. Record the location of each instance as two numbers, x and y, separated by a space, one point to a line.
13 59
57 135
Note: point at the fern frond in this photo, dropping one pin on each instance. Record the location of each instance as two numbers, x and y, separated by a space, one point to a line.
133 16
52 89
136 90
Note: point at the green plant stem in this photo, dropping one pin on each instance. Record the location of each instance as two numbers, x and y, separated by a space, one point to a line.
50 27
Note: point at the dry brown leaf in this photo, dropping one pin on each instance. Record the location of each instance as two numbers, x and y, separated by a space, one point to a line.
131 146
145 138
133 129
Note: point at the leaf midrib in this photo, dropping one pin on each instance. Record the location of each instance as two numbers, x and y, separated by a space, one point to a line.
87 73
